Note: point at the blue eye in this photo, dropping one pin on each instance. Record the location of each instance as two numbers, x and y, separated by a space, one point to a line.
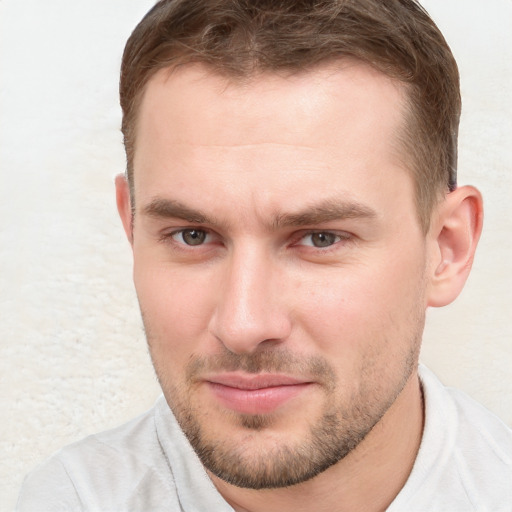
190 236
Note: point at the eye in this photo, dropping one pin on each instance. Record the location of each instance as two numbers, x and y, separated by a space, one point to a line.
190 236
321 239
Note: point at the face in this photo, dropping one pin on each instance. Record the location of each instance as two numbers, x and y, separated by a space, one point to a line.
279 263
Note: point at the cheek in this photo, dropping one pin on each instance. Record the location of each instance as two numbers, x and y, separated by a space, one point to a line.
349 310
175 308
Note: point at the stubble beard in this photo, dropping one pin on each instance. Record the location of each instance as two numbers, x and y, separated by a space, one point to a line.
338 431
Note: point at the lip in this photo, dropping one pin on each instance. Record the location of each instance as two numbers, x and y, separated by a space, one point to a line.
255 394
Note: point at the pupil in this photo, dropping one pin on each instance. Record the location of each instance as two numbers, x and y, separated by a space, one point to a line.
323 239
194 237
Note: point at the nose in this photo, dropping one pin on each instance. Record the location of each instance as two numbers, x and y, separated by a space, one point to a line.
250 310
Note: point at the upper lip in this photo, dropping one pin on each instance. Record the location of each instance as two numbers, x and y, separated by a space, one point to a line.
256 381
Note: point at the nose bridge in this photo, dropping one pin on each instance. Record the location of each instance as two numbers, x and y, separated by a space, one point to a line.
249 309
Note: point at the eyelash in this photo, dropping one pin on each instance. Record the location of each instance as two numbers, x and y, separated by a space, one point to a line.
340 236
169 237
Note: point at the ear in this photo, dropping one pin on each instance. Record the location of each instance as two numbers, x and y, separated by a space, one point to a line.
124 206
454 234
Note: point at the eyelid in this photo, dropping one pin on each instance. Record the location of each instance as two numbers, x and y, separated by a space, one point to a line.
339 234
169 235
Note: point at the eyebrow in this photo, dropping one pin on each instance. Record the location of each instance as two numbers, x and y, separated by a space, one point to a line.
325 211
172 209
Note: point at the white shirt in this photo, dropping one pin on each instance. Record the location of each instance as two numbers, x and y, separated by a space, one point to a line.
464 465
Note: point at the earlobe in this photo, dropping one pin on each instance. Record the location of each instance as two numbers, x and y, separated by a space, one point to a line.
455 234
124 206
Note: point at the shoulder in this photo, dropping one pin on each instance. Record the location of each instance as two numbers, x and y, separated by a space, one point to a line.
465 458
471 428
107 471
482 452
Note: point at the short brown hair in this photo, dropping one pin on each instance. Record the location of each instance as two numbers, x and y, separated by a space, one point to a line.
236 38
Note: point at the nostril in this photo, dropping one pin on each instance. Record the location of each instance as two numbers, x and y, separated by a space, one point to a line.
248 335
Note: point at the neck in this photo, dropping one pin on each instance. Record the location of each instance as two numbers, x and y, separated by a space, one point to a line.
367 479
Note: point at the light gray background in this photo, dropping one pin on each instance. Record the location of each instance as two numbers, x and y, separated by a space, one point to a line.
72 353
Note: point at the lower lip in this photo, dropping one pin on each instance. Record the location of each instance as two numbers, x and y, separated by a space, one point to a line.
256 401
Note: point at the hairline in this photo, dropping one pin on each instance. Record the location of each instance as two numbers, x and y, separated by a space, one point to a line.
402 141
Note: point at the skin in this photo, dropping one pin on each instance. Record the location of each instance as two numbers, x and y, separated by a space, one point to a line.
308 276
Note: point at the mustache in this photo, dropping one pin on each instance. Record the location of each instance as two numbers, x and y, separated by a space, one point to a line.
265 361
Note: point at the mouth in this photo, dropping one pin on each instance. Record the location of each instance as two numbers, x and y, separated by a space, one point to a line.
255 394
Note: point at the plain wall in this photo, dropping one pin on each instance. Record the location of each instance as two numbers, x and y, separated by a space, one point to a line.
73 359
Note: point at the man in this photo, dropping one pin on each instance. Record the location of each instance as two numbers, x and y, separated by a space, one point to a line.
292 206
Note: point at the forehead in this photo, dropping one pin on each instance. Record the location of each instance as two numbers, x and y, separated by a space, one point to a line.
337 95
270 137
